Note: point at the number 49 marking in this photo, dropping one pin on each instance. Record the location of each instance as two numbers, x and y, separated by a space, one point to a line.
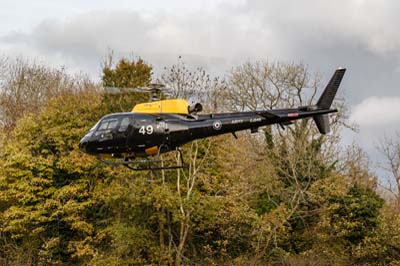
146 130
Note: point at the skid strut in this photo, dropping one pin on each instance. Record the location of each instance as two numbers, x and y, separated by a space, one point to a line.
141 165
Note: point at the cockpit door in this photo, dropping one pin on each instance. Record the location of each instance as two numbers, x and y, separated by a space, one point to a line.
112 134
105 135
122 133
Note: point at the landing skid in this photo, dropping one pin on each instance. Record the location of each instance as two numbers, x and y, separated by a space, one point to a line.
141 165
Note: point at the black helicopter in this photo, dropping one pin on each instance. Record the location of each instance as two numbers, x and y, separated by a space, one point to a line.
160 126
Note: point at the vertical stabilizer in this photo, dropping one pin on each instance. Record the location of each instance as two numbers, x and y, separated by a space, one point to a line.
326 99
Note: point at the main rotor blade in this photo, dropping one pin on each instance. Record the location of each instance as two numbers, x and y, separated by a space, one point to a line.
143 89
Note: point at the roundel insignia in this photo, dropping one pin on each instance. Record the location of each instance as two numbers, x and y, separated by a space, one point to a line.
217 125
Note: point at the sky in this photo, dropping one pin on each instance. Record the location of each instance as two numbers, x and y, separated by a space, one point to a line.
360 35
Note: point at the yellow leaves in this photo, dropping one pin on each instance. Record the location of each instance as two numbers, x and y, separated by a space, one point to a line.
82 249
323 189
278 216
82 227
23 221
75 191
163 197
77 163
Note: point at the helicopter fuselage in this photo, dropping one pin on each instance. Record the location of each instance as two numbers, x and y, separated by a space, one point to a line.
130 135
161 126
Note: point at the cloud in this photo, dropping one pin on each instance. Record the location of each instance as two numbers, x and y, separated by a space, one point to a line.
378 118
87 37
370 24
218 33
377 111
323 34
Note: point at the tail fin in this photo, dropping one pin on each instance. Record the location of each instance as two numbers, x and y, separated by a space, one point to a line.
326 99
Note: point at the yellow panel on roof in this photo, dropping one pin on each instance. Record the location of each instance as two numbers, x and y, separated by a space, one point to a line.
175 106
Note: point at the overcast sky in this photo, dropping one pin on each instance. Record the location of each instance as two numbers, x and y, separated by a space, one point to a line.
361 35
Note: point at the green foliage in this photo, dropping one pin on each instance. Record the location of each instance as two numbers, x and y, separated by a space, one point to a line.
47 183
356 215
125 74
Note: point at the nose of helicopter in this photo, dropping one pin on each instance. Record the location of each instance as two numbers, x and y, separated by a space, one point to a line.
83 144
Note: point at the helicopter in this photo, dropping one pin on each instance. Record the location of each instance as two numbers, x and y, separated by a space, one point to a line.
161 126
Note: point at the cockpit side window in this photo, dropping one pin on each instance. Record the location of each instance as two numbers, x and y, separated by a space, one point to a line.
108 124
124 124
112 124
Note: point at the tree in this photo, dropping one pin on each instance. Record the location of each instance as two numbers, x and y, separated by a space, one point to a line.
300 155
195 85
47 207
278 198
390 148
27 86
125 73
